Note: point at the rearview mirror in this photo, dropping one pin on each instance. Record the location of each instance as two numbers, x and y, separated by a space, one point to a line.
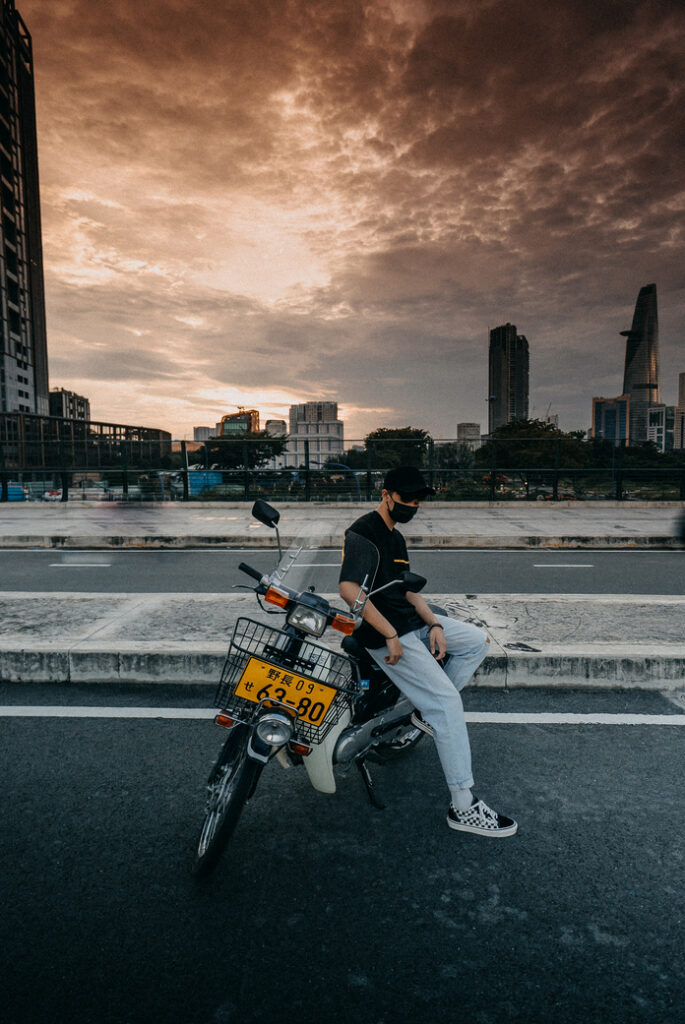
408 581
264 512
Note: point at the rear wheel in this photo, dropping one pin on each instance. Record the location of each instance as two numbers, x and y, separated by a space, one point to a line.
230 784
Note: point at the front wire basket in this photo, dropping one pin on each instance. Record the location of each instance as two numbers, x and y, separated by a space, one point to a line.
251 638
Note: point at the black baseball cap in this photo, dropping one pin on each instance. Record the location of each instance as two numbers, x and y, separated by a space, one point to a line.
407 481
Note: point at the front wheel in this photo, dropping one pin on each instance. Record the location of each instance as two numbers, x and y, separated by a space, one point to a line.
230 784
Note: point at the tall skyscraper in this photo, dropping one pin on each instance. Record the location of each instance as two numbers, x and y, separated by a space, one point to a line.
507 377
679 415
641 375
23 344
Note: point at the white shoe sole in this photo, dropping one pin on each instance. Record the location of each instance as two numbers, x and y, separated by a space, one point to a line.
500 833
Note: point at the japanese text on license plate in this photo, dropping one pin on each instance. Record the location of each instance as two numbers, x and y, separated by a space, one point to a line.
261 680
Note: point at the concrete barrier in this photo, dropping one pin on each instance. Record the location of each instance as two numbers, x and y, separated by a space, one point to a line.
537 640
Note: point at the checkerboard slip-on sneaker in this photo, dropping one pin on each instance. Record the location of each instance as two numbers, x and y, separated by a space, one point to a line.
482 820
421 723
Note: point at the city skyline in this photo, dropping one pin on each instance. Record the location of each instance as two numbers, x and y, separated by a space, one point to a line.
267 204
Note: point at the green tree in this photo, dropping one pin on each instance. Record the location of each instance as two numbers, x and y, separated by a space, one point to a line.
532 444
353 457
397 446
248 451
453 455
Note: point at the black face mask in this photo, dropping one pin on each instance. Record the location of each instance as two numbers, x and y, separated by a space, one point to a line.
401 513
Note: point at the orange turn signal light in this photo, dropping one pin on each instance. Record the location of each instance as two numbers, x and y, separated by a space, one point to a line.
276 596
344 624
300 748
225 720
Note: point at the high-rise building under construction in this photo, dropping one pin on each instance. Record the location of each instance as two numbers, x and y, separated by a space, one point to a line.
641 374
23 345
507 377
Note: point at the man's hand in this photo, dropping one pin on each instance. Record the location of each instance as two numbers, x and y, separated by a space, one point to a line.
394 651
438 644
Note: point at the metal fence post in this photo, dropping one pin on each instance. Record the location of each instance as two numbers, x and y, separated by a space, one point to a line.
619 474
246 472
369 479
124 471
4 487
555 481
63 473
307 478
184 471
493 467
431 458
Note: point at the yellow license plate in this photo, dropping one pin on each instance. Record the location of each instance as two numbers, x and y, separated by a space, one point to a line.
263 681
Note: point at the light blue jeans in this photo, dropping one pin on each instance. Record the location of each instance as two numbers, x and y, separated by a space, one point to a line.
434 691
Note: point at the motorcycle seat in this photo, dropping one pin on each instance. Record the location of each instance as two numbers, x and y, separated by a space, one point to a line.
353 648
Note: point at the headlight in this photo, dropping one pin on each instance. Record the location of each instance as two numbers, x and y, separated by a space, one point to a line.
309 620
274 730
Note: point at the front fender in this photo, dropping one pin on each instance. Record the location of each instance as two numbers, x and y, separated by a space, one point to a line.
319 763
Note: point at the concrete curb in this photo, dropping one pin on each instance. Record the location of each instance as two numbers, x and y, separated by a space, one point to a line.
201 665
254 540
537 640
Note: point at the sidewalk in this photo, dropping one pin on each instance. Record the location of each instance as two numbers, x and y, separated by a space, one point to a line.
501 525
564 641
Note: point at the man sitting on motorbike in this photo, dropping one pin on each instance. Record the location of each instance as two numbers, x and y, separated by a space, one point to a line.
409 641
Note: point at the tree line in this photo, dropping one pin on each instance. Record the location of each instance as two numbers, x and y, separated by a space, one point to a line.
519 445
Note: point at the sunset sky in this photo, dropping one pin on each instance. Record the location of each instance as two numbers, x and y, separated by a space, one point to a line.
261 202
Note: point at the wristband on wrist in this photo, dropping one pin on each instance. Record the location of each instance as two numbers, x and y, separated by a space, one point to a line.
392 637
435 625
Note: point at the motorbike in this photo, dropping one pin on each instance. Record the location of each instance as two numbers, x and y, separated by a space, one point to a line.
283 696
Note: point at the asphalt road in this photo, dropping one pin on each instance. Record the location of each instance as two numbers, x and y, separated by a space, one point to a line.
325 909
474 572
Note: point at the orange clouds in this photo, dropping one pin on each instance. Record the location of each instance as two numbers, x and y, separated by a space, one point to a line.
314 199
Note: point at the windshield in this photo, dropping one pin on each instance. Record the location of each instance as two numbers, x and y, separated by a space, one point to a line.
308 566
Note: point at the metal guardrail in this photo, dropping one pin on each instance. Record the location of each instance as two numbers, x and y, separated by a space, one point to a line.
504 470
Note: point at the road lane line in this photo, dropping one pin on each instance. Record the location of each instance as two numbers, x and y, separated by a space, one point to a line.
316 565
80 565
476 717
561 565
64 711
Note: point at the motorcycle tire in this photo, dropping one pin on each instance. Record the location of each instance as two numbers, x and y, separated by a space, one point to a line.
230 784
402 744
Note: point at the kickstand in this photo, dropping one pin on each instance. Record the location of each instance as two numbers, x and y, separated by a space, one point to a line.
368 782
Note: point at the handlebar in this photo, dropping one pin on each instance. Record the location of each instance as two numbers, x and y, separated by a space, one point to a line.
254 573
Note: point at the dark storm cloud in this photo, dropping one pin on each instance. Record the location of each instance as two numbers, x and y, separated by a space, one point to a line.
341 197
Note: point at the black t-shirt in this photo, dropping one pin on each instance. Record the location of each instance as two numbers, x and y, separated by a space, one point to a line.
393 560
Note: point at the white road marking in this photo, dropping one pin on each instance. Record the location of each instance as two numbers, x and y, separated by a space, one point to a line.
65 711
316 565
476 717
570 718
80 565
561 565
